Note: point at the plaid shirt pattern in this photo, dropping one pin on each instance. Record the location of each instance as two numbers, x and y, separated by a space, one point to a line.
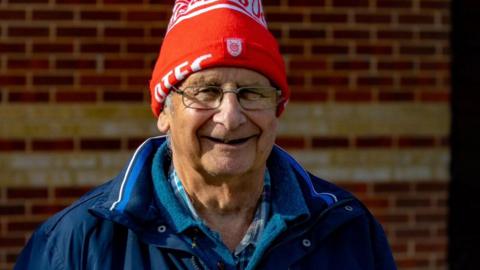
245 249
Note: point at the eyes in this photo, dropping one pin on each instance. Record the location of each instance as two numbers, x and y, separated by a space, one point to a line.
210 93
210 97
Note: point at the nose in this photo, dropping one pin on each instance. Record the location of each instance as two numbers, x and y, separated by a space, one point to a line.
230 113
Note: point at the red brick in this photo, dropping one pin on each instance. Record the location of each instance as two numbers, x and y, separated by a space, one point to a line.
374 80
430 246
266 3
52 80
374 49
306 33
291 142
435 65
10 242
413 233
431 218
412 263
49 15
10 14
409 202
394 34
122 2
52 145
75 64
373 18
71 192
75 96
375 141
351 34
329 17
134 143
394 4
350 3
392 218
416 141
309 96
28 64
306 3
396 96
330 49
18 31
431 187
12 47
100 144
437 5
357 188
47 209
295 80
395 65
100 80
375 202
284 17
353 96
391 188
28 1
76 2
398 247
76 31
12 145
11 210
330 80
143 48
307 65
146 15
22 226
288 49
100 48
12 80
435 35
417 81
138 80
123 96
160 31
124 32
416 19
27 193
124 64
28 96
100 15
351 65
330 142
52 48
417 50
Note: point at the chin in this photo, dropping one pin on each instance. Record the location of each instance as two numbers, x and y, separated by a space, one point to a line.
228 167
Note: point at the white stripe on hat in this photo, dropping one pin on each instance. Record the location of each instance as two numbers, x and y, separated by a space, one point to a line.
184 10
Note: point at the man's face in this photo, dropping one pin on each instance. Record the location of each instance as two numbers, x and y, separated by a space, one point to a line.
227 141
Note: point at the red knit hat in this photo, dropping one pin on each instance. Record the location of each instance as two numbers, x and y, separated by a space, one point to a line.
216 33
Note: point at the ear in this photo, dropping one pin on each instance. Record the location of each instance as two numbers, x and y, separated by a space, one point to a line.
163 121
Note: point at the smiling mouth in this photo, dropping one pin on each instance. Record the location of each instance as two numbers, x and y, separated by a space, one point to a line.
230 142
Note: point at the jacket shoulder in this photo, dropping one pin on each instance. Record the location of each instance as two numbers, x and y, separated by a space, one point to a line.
76 213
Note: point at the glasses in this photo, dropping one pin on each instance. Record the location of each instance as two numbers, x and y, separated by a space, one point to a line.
210 97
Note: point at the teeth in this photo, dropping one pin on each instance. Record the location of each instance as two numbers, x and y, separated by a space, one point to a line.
235 141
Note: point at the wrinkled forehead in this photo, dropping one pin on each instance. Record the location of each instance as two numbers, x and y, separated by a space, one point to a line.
224 75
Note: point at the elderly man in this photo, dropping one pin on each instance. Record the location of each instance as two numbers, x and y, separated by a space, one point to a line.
214 193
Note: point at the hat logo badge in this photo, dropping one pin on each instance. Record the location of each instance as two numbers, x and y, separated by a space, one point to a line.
234 46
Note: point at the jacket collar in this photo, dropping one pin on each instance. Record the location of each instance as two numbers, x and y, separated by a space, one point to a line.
135 198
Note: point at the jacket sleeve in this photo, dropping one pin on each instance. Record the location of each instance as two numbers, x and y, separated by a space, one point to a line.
39 253
381 249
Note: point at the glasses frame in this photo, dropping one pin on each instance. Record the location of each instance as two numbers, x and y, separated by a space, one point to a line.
236 91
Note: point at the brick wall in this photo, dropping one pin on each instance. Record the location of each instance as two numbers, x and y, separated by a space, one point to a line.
370 82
